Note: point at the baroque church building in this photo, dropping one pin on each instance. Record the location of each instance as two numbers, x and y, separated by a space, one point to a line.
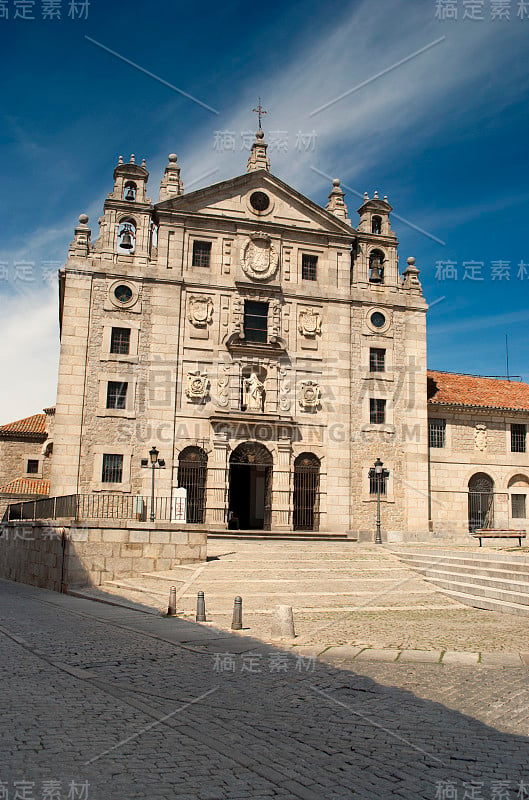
271 351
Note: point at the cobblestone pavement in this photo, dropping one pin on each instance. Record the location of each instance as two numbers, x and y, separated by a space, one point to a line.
141 706
341 593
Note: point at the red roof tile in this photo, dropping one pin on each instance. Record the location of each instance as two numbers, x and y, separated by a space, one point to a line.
29 426
26 486
448 388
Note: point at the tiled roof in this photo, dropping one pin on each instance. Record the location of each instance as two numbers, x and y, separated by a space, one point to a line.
448 388
26 486
29 426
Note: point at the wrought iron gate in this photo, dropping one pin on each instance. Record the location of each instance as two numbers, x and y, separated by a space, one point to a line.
480 510
306 492
192 471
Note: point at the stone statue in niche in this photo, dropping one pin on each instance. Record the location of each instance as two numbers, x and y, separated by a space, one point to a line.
253 393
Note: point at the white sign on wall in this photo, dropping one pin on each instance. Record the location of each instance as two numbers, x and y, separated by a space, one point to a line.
179 505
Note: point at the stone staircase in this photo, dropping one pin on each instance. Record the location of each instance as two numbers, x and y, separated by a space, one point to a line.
492 581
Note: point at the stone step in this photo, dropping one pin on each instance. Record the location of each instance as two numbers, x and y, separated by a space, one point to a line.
509 584
489 592
488 603
302 536
503 559
490 568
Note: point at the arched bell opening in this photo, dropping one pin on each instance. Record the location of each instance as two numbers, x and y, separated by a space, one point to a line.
306 500
126 237
250 487
130 191
376 266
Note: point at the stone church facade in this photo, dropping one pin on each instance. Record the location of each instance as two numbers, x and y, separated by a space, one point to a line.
270 350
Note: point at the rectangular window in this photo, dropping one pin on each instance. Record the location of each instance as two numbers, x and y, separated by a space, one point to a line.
201 254
518 509
377 411
518 437
255 321
374 481
117 395
309 267
112 468
377 360
120 341
436 432
32 466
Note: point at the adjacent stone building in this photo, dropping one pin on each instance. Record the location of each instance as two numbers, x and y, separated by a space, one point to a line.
25 450
271 351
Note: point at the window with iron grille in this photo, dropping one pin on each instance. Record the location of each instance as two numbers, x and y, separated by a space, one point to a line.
377 411
377 359
255 321
201 254
309 267
112 468
120 341
375 481
518 437
32 466
117 394
436 432
518 506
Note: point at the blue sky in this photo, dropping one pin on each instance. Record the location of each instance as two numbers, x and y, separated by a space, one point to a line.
444 135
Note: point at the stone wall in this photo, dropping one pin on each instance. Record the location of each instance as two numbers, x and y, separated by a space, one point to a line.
44 554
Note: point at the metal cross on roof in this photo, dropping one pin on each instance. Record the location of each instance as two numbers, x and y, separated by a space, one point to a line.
260 110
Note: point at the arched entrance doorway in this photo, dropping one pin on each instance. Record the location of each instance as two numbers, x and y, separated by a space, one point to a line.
192 469
480 501
306 492
250 495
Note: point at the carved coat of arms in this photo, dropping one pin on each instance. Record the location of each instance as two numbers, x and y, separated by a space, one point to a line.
198 384
200 310
309 322
259 258
480 437
310 395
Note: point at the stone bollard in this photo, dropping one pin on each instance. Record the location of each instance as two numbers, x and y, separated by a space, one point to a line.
283 624
171 611
236 624
201 608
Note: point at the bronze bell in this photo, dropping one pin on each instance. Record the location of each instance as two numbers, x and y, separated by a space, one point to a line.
131 195
376 270
126 241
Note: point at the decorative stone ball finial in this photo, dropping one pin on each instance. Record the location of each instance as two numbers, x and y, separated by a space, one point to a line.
366 197
376 195
83 219
259 134
336 182
411 261
133 159
143 162
120 160
173 158
385 198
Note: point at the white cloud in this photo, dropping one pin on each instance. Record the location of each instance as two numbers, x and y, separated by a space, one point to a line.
29 356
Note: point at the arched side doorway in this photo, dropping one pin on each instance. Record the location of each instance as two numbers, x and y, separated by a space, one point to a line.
306 492
480 501
192 469
250 493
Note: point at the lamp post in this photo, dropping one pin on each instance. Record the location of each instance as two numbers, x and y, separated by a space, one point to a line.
379 474
155 463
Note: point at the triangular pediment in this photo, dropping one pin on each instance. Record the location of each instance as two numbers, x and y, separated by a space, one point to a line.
230 199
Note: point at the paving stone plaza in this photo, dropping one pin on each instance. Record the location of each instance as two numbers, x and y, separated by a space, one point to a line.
102 700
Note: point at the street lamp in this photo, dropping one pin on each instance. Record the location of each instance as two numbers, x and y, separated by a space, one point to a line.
378 474
155 463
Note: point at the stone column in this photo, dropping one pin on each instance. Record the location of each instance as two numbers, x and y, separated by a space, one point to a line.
282 487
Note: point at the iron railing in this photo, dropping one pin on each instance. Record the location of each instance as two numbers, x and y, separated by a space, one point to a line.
93 506
480 510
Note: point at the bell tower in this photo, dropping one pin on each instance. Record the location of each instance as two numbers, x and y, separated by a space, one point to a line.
375 258
126 228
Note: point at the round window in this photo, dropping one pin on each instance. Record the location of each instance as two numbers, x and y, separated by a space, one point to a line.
378 319
123 293
259 201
